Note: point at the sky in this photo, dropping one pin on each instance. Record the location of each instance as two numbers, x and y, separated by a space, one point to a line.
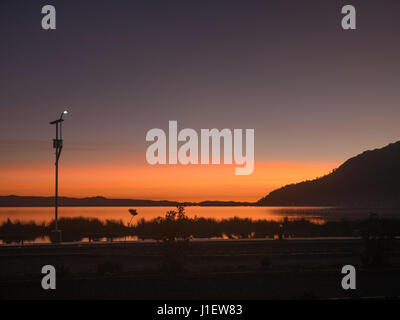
314 94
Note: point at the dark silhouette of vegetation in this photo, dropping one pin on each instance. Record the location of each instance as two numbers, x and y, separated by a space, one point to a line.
244 228
74 229
177 227
371 179
18 232
175 236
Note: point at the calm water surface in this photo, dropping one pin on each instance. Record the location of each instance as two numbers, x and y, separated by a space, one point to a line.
315 214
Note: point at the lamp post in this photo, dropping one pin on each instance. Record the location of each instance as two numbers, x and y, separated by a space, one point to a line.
57 144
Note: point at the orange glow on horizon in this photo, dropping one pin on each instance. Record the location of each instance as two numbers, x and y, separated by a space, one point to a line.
178 182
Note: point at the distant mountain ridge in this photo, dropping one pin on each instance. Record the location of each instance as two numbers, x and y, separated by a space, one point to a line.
370 179
32 201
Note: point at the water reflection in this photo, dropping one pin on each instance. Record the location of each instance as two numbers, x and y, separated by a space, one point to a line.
314 214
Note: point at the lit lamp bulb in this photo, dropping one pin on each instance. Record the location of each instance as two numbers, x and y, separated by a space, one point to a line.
64 112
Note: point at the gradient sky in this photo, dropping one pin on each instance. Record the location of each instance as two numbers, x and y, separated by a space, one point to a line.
315 94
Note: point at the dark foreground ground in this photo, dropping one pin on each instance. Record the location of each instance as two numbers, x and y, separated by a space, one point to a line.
232 269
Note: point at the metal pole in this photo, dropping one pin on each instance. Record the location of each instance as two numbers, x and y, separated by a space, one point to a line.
56 198
56 195
57 144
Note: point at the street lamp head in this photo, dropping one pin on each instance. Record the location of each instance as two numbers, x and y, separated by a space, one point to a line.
64 112
61 118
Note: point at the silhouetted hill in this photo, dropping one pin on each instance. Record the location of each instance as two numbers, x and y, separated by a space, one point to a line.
23 201
369 179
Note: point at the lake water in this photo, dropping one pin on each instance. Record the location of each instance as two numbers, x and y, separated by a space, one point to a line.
315 214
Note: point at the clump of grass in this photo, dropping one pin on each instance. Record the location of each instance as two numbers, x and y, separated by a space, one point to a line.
175 225
18 231
74 229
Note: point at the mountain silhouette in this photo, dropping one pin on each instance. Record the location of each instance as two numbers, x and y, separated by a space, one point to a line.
370 179
34 201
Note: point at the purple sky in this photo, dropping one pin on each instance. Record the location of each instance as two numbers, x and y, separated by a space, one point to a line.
312 91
